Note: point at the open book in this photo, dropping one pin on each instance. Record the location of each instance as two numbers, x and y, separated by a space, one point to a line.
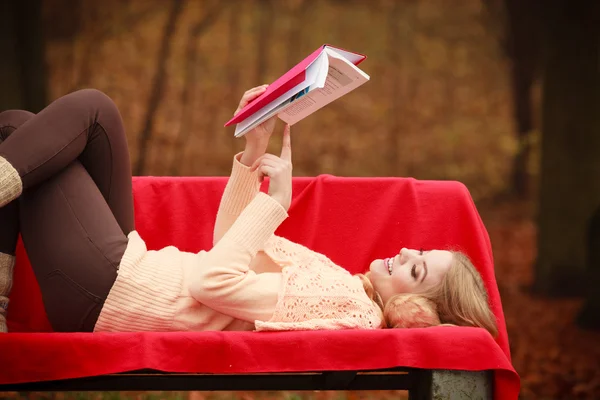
327 74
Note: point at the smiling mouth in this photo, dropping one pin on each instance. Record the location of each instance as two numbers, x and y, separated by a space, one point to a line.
389 263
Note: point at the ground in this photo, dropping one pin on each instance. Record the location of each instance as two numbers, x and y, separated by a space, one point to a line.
555 359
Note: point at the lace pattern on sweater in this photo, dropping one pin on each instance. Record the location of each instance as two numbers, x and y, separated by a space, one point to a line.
316 293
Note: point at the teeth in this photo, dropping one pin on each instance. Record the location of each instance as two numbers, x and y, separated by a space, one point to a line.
390 263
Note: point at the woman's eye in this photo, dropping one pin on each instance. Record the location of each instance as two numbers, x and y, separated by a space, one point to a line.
413 271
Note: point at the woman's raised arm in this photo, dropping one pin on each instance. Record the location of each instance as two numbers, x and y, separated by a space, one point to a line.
224 281
243 184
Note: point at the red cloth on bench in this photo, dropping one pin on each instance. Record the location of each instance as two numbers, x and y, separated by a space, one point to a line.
351 220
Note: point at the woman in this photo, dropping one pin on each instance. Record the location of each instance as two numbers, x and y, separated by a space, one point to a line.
65 182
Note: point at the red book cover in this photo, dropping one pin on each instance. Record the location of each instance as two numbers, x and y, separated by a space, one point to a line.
286 82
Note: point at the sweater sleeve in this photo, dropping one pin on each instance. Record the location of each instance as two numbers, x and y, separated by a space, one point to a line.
224 280
241 188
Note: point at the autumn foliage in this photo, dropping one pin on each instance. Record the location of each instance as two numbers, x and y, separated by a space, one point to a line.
438 106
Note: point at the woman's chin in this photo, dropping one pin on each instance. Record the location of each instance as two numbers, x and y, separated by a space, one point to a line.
378 267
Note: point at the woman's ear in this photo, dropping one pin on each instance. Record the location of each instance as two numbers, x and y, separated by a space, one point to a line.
410 311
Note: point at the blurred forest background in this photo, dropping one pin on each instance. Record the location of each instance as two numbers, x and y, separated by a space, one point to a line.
502 95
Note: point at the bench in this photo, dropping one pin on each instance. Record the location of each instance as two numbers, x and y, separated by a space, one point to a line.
351 220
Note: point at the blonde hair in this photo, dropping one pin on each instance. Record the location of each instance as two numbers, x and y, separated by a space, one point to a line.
459 299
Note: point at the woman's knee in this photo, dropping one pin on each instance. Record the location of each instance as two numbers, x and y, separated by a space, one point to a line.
93 99
99 106
96 99
11 120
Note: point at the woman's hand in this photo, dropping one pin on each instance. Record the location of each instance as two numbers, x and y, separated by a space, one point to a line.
279 170
257 139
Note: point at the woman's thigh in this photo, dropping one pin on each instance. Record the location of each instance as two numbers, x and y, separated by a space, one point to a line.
84 125
75 246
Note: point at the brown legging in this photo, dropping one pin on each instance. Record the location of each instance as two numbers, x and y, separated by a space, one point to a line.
76 208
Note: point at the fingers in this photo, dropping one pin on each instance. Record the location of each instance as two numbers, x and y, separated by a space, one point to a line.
268 159
265 170
250 95
272 160
284 162
286 145
256 163
268 125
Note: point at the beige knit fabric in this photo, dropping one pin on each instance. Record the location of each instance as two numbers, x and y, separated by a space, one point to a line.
10 183
152 292
7 263
168 290
316 293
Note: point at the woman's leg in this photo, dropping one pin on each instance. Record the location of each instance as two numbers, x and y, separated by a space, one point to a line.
9 220
74 244
85 126
72 161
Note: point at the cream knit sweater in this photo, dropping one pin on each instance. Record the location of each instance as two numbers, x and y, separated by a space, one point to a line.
250 279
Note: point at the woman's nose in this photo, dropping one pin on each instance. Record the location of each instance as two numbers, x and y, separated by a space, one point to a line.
404 254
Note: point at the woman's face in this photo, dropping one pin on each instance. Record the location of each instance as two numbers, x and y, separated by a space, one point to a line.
410 271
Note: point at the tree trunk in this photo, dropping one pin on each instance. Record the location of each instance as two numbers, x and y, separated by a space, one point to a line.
103 31
233 58
590 314
570 163
523 48
234 63
23 66
265 20
295 48
158 85
399 47
393 44
190 81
